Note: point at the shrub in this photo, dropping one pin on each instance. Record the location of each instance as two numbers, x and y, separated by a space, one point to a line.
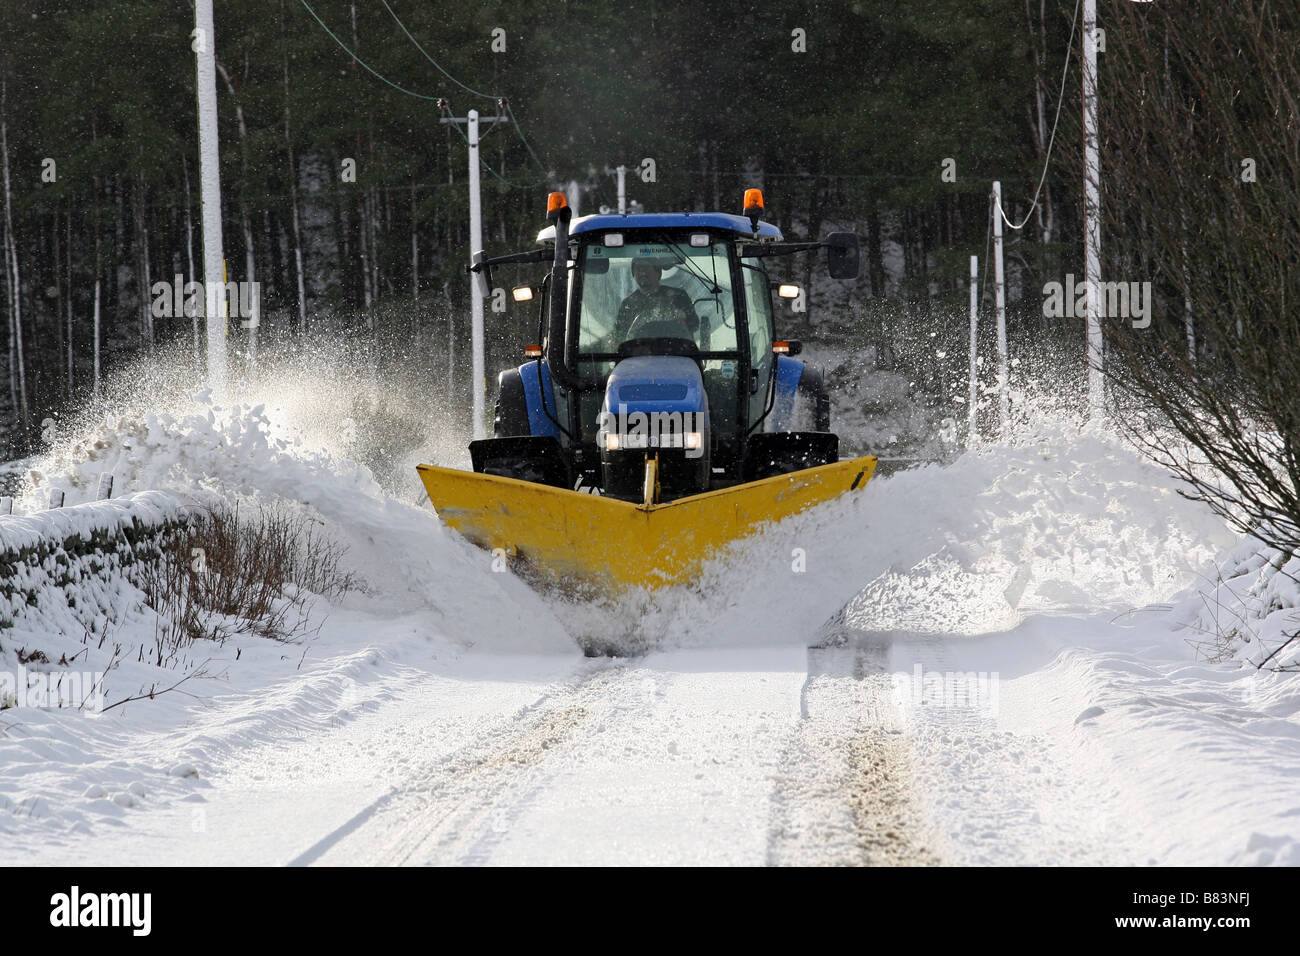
230 572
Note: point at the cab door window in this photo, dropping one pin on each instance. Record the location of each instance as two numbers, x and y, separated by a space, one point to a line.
758 308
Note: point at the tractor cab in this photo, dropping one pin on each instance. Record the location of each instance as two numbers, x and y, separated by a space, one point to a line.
660 374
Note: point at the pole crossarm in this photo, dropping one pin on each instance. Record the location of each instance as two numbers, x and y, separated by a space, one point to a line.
462 119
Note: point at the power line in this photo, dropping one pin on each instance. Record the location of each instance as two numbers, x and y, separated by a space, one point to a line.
367 66
467 89
537 159
483 163
502 102
1060 99
514 185
436 99
487 96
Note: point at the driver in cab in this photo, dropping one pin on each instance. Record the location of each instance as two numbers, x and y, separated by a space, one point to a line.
655 310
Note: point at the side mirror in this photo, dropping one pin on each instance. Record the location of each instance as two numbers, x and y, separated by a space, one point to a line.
842 255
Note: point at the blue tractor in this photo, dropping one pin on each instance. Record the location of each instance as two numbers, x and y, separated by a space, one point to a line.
659 418
658 335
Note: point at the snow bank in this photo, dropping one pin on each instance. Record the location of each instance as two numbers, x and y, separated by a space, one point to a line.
1246 607
1074 522
207 452
426 596
65 571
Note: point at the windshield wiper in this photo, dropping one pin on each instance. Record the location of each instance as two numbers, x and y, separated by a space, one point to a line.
685 262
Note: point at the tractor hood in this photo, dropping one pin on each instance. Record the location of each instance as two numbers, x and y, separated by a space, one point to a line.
655 383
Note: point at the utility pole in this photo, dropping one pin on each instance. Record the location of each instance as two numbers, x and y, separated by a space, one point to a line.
1000 301
478 376
479 388
973 399
204 44
1092 212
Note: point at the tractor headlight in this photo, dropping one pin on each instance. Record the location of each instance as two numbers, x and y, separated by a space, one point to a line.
614 441
693 440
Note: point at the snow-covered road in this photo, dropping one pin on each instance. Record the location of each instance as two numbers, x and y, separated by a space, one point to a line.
784 755
693 756
966 665
609 765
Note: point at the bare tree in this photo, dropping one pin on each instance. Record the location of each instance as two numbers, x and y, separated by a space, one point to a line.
15 281
295 216
250 261
1202 195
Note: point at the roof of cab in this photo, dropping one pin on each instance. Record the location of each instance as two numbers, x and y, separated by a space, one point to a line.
664 220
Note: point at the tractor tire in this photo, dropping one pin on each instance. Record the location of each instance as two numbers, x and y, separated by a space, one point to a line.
812 394
511 418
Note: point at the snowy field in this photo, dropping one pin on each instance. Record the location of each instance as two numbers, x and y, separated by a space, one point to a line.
1007 659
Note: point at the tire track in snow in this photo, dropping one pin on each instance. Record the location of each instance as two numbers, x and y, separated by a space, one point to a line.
465 802
459 808
667 759
748 757
844 792
457 822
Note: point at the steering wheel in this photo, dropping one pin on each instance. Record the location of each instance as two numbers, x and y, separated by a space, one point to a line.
642 321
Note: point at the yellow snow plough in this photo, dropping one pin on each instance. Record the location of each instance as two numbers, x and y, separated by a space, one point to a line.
660 419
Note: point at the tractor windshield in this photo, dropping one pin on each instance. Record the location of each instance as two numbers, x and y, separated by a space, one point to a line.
662 289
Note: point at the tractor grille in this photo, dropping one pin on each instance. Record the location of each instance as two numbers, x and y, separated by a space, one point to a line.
652 393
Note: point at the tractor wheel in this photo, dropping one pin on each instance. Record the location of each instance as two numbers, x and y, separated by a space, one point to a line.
511 419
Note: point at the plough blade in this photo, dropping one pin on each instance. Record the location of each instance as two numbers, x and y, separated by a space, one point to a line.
617 544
